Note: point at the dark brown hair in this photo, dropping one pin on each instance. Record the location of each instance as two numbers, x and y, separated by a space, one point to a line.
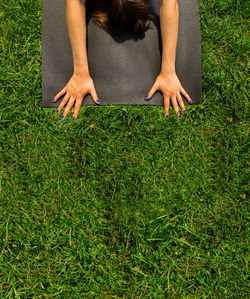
117 16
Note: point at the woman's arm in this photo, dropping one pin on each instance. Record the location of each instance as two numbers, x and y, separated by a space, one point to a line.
169 19
76 23
167 81
80 83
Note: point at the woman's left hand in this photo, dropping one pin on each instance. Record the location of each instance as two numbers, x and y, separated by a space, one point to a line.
171 88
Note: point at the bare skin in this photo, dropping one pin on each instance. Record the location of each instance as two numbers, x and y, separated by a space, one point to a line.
167 81
80 84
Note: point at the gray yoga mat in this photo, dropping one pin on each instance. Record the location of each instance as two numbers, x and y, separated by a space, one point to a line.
123 67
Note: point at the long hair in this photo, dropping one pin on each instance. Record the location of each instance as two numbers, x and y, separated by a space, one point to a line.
117 16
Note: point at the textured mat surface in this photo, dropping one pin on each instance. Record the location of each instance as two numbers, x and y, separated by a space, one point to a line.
123 67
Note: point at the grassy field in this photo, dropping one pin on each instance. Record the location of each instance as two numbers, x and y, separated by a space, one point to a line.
124 203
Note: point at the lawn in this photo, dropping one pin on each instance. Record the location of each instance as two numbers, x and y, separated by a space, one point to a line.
124 203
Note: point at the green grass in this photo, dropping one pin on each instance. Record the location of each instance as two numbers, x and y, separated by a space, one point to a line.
123 203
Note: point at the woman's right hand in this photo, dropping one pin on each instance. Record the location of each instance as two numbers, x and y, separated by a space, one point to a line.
77 87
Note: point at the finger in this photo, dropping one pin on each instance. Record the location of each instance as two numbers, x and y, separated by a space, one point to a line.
166 106
175 106
94 95
63 102
186 95
78 105
180 100
63 91
151 92
68 107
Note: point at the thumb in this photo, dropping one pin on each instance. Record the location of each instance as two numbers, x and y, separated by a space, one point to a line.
94 95
151 92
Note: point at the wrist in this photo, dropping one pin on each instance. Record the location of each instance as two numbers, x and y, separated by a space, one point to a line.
81 71
168 72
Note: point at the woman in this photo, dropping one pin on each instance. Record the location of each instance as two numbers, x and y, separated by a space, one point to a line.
115 16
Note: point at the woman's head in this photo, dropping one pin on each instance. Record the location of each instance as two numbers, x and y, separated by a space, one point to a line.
116 16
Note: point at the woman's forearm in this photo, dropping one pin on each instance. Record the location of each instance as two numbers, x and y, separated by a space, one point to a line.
169 19
76 23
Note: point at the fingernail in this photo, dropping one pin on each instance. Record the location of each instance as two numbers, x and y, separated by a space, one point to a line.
166 115
57 111
179 116
53 100
62 116
146 97
190 101
98 101
184 111
73 118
